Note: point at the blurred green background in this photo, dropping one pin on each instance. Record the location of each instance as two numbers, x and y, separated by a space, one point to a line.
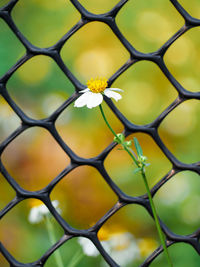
39 87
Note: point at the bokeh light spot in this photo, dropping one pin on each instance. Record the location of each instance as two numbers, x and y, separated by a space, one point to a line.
179 130
148 24
39 87
182 59
147 92
35 70
150 30
100 54
178 203
52 18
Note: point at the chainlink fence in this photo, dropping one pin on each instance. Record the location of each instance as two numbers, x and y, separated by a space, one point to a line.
97 162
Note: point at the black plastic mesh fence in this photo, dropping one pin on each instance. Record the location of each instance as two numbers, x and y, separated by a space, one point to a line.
97 162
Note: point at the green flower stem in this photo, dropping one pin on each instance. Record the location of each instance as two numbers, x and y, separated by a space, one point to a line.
131 155
156 218
104 117
52 238
127 149
111 129
76 259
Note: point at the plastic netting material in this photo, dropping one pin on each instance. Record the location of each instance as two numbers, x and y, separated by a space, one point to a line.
97 162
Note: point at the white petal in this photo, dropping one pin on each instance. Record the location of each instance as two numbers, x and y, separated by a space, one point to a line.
82 100
94 99
43 209
35 215
106 245
112 94
116 89
123 248
88 247
84 90
55 203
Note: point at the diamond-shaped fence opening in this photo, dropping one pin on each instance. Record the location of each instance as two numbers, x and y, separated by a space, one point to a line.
166 131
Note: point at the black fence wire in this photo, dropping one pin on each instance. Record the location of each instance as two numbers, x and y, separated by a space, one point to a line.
97 162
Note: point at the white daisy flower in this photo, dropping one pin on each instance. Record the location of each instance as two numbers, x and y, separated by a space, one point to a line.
92 96
122 247
38 212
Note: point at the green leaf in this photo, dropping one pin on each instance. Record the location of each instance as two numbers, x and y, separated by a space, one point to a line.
138 147
136 170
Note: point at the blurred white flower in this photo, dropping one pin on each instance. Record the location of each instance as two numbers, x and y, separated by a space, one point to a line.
9 121
88 247
51 102
92 96
179 181
122 247
37 213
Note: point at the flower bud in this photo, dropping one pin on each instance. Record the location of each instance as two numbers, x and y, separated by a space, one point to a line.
143 158
128 143
119 138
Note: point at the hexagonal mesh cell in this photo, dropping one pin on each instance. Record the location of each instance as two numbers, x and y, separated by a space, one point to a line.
182 60
139 23
95 56
79 194
26 168
52 18
39 87
60 165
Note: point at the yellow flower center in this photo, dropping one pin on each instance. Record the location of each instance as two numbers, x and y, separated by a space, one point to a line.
33 202
97 85
122 246
103 234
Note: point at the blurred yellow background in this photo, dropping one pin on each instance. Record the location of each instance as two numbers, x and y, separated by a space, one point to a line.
39 87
